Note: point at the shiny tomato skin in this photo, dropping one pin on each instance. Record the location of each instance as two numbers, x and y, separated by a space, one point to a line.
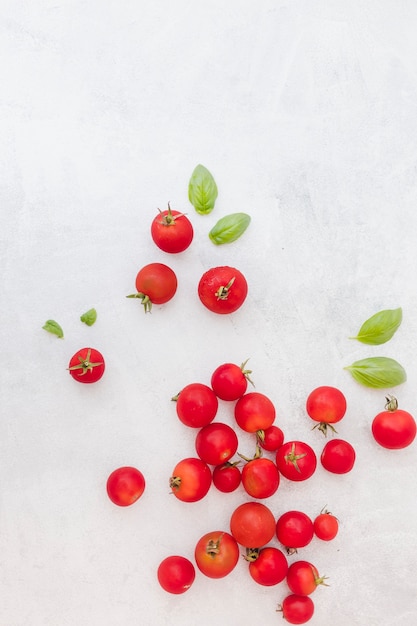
303 578
125 485
216 554
260 478
87 365
172 231
271 438
216 443
176 574
227 477
296 460
394 430
326 526
297 609
252 524
229 382
254 411
338 456
196 405
222 289
270 567
157 282
191 479
326 404
294 529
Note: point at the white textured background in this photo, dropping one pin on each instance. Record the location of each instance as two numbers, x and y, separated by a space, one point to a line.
306 114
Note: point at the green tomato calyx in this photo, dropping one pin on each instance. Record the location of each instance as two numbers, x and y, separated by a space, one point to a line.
85 364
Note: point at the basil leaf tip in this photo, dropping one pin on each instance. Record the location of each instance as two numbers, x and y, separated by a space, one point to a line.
51 326
379 372
229 228
202 190
379 328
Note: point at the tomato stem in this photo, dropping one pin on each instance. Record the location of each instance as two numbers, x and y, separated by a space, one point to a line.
223 291
392 403
323 426
251 554
85 364
146 301
293 458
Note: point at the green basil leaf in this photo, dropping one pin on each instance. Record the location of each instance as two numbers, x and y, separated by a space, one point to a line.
53 327
89 317
380 327
202 190
378 371
229 228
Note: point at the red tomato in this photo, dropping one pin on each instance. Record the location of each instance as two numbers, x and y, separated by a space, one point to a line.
196 405
229 381
125 485
222 289
252 524
216 443
190 480
303 578
271 438
172 231
394 428
87 365
338 456
296 460
260 478
156 283
326 405
294 529
254 411
297 609
267 566
216 554
176 574
227 477
326 526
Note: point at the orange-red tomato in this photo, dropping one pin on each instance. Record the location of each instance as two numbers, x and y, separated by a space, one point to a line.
216 554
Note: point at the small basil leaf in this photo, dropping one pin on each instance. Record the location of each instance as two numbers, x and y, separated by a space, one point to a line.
89 317
378 372
380 327
53 327
202 190
229 228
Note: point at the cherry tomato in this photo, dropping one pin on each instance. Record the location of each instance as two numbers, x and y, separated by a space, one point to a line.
172 231
394 428
267 566
222 289
196 405
297 609
252 524
176 574
294 529
216 554
227 477
125 485
229 381
303 578
254 411
216 443
326 405
338 456
87 365
260 477
326 526
296 460
190 480
271 438
156 283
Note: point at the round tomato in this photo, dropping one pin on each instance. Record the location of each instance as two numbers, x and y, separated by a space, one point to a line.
176 574
394 428
260 478
190 480
294 529
296 460
172 231
271 438
229 381
222 289
303 578
227 477
216 554
338 456
297 609
87 365
254 412
216 443
326 405
196 405
156 283
267 566
252 524
125 485
326 526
